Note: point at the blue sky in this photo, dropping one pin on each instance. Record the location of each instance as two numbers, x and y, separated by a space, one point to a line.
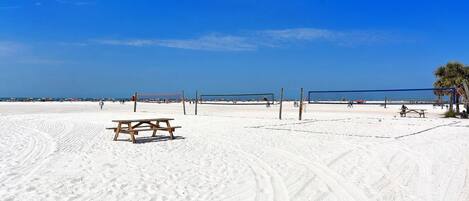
98 48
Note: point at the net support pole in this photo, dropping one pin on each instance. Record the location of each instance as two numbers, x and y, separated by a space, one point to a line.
451 100
281 104
466 95
135 102
183 102
196 101
385 101
301 105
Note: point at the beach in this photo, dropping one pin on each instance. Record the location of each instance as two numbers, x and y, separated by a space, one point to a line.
62 151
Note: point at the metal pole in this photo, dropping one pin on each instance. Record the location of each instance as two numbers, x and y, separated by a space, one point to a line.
183 102
451 100
135 102
196 100
385 101
281 104
301 104
466 97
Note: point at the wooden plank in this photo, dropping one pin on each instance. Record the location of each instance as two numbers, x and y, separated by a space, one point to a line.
151 129
142 120
123 128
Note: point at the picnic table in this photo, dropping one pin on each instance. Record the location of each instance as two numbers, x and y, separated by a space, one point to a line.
421 112
134 126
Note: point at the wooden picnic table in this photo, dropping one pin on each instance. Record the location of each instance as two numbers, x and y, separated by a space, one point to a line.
421 112
134 126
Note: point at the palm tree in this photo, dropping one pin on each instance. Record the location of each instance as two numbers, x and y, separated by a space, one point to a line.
451 75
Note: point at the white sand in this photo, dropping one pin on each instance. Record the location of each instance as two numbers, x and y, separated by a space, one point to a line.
61 151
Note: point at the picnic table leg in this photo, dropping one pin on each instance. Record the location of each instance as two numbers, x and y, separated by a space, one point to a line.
117 131
132 136
171 136
132 133
154 131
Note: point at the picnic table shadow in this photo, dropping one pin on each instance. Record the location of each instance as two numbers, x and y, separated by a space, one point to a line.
149 139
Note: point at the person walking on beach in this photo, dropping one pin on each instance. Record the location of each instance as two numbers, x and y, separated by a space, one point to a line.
101 104
350 104
267 102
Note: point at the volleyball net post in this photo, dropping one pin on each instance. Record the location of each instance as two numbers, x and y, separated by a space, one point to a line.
281 104
301 104
134 98
196 101
183 102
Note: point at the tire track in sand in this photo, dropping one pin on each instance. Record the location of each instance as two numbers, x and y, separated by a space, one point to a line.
38 147
336 182
264 174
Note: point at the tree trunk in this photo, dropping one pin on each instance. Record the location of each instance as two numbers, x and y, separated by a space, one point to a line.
457 103
451 100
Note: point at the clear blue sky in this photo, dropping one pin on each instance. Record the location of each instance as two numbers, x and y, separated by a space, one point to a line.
98 48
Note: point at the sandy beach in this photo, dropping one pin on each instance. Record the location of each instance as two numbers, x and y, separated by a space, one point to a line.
61 151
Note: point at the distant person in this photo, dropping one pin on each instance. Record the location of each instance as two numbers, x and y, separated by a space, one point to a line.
267 102
404 108
101 104
350 104
403 111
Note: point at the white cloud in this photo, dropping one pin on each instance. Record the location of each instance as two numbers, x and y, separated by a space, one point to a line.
210 43
299 34
9 48
254 40
34 60
76 2
9 7
15 52
80 44
347 38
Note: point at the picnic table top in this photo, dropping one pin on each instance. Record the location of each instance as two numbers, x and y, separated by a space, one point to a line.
142 120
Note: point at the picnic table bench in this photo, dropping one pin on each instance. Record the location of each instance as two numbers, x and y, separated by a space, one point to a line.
134 126
421 112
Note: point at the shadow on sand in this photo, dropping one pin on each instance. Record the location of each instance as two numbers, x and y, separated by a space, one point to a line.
158 138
